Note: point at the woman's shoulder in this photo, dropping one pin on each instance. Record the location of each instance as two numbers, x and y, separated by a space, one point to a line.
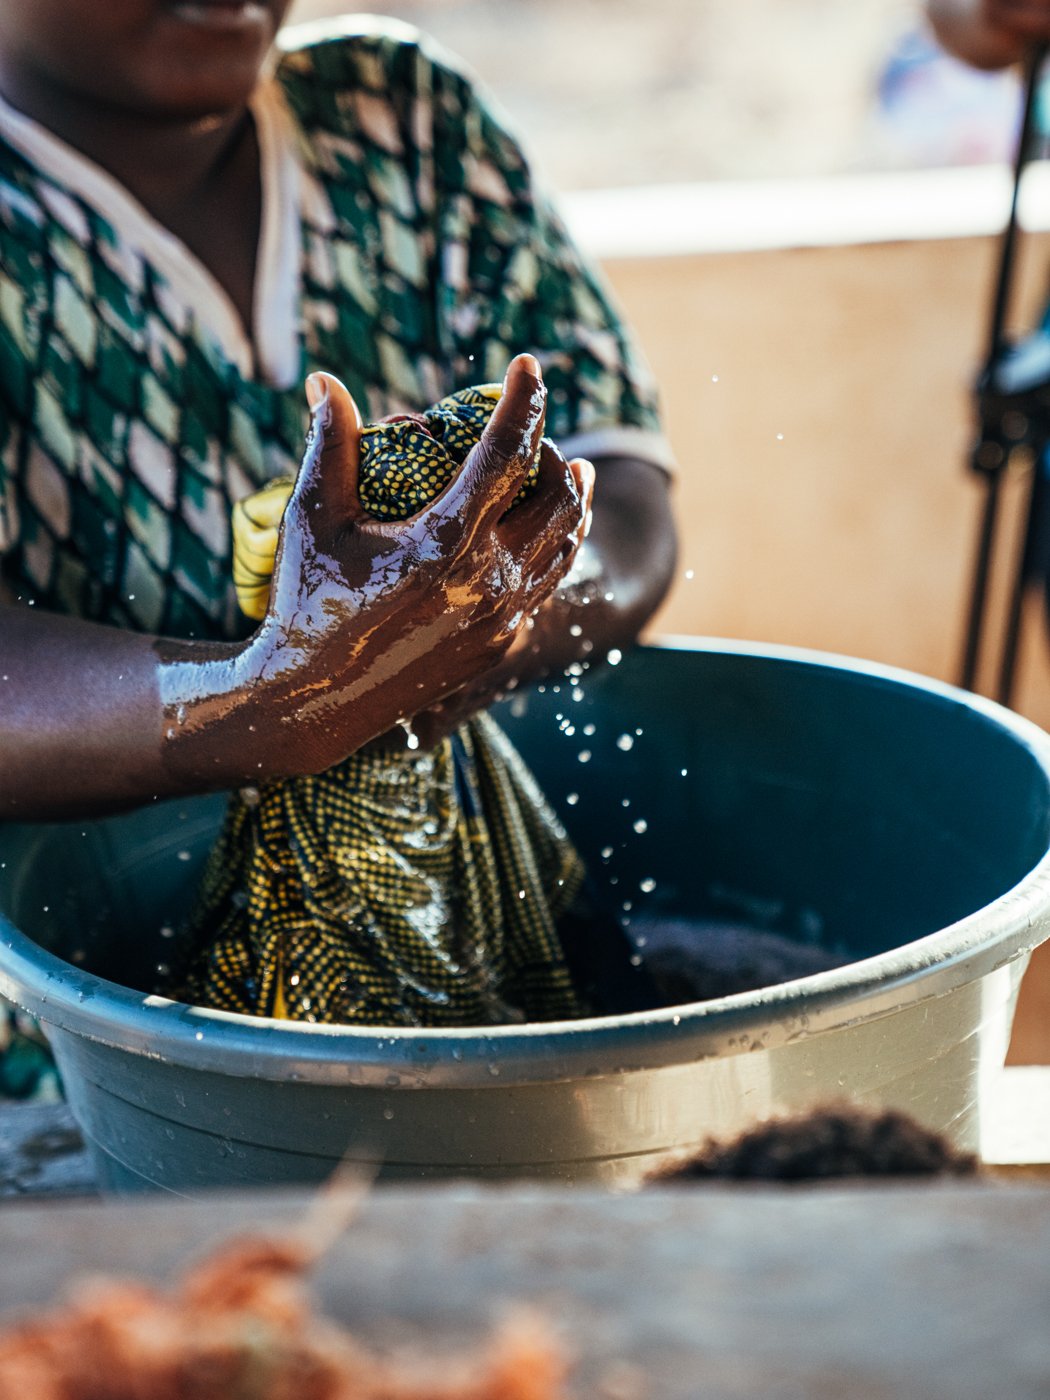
363 52
384 80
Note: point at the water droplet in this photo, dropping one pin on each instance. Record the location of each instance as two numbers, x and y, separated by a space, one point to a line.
636 960
676 1020
411 738
521 894
588 729
641 826
575 630
388 1114
163 969
625 742
607 852
392 1081
294 979
626 802
494 1071
714 379
627 906
780 437
199 1035
647 885
584 755
685 772
614 657
572 798
690 574
184 855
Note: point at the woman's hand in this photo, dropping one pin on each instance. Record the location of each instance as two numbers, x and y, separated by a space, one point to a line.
990 33
620 574
368 622
535 646
373 621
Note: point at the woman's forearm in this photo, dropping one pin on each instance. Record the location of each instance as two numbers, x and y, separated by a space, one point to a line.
92 718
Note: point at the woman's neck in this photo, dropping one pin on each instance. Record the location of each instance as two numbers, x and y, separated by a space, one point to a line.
161 160
198 177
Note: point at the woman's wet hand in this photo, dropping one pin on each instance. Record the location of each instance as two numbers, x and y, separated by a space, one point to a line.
525 658
373 621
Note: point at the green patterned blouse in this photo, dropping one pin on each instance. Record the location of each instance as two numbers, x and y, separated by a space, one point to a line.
404 246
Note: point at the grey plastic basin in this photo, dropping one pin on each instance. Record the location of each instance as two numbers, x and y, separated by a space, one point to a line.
897 819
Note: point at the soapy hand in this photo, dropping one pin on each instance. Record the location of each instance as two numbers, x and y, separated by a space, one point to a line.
372 621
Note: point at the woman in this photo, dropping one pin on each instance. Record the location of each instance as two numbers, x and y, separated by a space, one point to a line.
188 229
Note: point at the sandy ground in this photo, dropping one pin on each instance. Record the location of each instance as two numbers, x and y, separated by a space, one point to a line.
612 92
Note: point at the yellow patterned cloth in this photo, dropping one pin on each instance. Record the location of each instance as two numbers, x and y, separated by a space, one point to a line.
399 887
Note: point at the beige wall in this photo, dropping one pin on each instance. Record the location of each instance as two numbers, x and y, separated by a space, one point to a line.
854 533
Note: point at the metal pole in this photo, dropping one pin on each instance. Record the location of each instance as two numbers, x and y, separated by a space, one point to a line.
991 454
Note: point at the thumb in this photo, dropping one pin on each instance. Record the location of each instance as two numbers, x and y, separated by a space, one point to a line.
327 479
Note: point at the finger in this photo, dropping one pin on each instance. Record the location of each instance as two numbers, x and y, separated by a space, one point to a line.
327 479
583 470
540 525
497 465
546 579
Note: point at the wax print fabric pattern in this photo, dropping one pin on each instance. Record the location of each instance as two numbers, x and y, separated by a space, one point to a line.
427 258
